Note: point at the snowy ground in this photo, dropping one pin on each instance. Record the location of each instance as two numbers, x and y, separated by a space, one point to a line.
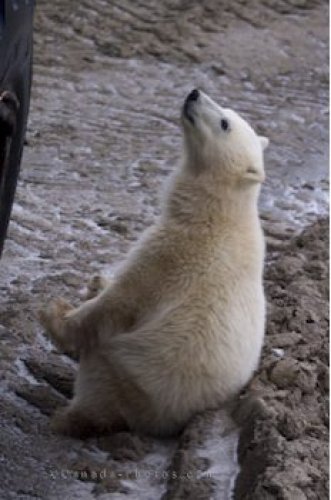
109 80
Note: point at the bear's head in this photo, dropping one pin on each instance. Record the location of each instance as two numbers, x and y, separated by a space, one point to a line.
220 142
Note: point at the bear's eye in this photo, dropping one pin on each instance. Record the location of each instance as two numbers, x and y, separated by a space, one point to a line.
224 124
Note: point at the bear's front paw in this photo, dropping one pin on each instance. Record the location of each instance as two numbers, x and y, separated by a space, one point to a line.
54 319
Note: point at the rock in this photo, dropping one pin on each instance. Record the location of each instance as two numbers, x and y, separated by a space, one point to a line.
285 339
291 426
308 378
285 373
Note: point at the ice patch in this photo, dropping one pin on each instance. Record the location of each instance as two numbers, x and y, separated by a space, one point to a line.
149 475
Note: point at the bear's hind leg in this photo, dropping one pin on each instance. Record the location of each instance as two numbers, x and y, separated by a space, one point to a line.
53 319
73 330
95 408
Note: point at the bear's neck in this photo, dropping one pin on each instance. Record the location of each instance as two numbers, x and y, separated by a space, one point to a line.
193 199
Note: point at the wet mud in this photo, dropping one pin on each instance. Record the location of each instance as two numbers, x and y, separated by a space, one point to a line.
103 135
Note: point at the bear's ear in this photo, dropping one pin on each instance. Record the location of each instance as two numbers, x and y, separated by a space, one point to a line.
264 141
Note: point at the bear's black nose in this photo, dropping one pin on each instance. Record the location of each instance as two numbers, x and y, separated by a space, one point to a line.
193 96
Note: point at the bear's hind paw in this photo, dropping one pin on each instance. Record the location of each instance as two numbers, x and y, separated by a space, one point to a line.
53 319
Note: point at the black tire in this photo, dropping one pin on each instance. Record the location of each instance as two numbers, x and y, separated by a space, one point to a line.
18 81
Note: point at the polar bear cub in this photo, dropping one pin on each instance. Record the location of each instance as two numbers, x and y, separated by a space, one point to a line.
181 326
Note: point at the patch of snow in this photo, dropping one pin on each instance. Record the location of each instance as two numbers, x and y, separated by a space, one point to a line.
221 453
23 372
278 352
147 479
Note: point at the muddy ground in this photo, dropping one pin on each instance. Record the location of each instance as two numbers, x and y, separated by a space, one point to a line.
109 80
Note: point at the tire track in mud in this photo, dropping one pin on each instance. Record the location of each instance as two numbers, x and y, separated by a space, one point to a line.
146 29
